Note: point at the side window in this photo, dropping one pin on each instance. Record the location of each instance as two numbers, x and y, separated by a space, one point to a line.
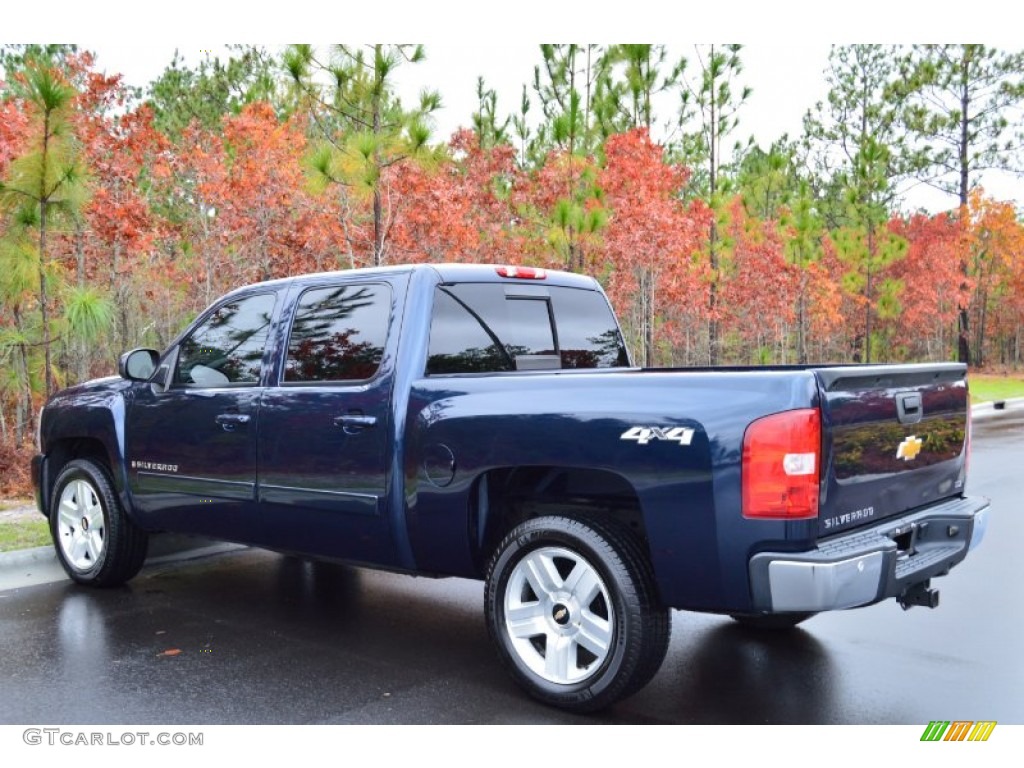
338 334
228 347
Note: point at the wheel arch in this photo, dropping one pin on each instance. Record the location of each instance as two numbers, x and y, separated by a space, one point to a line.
65 450
502 498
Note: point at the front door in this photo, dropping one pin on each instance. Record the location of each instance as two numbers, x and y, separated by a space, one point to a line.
191 446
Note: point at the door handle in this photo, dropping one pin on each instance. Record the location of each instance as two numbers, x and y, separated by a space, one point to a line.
230 420
354 421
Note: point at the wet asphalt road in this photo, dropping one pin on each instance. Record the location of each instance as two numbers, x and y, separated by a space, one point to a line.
269 639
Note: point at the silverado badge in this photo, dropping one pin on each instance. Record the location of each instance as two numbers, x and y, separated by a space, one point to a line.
909 448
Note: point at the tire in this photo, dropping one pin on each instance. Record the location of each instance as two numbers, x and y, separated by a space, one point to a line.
773 622
584 589
96 542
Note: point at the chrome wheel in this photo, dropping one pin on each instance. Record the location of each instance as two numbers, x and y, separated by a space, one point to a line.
558 615
573 612
81 525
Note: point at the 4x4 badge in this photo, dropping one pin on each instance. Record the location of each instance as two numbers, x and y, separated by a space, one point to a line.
909 448
644 435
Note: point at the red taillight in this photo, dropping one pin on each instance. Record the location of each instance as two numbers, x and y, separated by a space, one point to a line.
525 273
782 465
967 442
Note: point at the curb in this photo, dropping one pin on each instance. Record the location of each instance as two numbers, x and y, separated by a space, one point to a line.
164 548
996 407
19 558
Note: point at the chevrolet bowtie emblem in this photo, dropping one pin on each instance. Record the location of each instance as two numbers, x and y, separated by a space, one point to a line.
909 448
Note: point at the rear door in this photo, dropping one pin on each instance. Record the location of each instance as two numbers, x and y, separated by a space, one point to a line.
895 439
325 425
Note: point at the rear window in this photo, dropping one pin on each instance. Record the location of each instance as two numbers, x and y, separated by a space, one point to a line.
494 327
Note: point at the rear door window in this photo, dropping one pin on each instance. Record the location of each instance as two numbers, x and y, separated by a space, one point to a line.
338 333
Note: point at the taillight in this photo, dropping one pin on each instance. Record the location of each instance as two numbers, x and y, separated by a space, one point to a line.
781 465
967 446
524 273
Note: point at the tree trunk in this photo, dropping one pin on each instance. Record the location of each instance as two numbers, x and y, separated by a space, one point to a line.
23 413
963 320
80 349
44 306
979 349
647 317
378 211
801 332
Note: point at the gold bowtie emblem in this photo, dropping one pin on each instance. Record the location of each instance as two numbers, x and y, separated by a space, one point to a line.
909 448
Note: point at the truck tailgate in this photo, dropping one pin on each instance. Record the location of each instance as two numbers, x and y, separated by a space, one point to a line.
894 440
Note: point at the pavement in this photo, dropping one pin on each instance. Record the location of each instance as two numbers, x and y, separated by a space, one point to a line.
39 565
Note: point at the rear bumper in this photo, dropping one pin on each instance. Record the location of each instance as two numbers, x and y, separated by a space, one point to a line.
869 565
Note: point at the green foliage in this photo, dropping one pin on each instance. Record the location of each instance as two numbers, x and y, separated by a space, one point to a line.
961 106
351 99
46 184
632 76
19 266
866 252
15 58
88 315
214 88
490 130
802 215
769 181
855 138
708 113
566 84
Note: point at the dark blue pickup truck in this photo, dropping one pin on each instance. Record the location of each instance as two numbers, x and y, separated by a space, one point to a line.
486 422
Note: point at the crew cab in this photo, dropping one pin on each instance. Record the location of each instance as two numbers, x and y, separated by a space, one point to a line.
486 422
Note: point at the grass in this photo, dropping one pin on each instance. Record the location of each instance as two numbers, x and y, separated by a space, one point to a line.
985 387
24 535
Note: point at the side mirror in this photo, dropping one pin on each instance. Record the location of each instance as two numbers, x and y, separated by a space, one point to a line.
138 365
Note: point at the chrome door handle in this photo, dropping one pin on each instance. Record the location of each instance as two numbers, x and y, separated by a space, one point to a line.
230 420
354 420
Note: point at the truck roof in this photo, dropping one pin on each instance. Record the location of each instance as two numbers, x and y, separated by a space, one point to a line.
453 273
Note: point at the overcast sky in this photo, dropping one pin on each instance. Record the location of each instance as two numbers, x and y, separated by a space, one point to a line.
784 58
785 80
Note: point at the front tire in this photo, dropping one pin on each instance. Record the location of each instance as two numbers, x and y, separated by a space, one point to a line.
97 544
572 609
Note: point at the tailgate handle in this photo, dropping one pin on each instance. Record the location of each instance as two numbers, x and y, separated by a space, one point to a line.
908 407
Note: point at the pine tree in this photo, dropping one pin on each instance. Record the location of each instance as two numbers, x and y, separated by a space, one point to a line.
712 103
364 126
961 105
47 183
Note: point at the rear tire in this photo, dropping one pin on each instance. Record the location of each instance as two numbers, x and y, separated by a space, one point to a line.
572 610
97 544
772 622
